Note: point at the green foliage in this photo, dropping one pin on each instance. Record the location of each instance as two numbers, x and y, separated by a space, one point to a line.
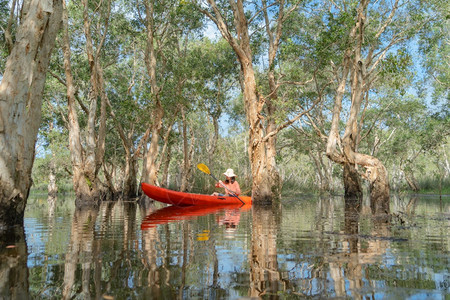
333 38
395 70
202 76
5 6
435 47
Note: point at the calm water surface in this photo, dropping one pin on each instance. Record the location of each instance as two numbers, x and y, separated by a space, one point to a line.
308 248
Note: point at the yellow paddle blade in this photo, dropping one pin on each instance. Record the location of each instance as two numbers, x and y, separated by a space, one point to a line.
204 168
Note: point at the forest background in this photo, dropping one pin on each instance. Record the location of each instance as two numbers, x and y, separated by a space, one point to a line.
155 89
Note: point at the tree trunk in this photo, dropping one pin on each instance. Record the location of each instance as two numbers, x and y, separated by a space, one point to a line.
379 188
409 176
321 170
259 162
80 182
130 182
95 141
274 41
165 182
52 187
21 93
188 152
352 182
86 161
212 143
348 156
261 149
150 169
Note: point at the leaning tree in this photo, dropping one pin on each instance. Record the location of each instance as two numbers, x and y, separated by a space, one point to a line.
243 26
366 33
21 94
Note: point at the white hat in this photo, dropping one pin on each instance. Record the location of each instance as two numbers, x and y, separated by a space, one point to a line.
229 173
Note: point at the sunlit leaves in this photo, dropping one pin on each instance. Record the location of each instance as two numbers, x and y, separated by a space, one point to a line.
396 70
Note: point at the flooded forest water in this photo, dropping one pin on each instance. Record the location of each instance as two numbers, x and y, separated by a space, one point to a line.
310 247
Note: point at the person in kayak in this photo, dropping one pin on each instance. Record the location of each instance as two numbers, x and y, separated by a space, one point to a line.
232 186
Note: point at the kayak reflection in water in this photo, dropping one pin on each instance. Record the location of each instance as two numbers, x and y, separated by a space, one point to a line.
230 185
231 221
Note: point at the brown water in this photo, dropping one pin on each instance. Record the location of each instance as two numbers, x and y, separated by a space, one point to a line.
308 248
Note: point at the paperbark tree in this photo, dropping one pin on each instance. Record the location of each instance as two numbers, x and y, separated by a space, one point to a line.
358 72
188 151
150 170
95 140
259 109
21 93
132 153
87 154
167 28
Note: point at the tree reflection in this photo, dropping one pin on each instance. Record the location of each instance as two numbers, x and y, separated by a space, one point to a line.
348 264
153 252
82 249
87 271
178 266
13 264
264 274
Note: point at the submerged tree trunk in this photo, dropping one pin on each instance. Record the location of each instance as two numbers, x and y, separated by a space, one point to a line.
86 155
262 183
259 109
150 168
377 176
344 150
352 182
21 93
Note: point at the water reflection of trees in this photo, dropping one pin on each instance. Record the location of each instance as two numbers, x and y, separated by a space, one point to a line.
88 273
183 265
13 264
329 261
82 250
106 258
358 250
264 271
314 249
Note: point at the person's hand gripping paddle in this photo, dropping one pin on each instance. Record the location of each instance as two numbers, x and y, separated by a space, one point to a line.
204 168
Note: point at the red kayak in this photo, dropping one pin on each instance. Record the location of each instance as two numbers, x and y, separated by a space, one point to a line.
188 199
